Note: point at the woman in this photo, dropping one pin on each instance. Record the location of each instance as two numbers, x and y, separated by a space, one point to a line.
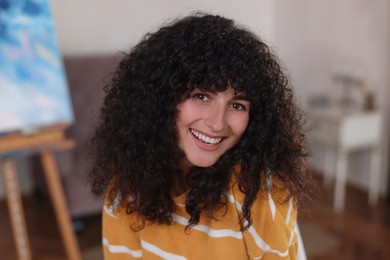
200 148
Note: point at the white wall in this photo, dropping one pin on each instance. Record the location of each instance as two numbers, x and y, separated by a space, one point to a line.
102 26
315 36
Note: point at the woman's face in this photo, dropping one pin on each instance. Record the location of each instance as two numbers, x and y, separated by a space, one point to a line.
209 124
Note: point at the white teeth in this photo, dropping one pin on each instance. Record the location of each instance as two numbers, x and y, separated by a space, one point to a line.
206 139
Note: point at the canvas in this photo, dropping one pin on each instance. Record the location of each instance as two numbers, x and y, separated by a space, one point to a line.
33 87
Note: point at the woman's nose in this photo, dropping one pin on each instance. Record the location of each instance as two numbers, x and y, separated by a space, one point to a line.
215 119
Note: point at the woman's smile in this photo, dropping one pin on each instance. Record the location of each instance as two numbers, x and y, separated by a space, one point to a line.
206 142
206 138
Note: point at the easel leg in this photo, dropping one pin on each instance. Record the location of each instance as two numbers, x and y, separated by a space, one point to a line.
15 209
60 207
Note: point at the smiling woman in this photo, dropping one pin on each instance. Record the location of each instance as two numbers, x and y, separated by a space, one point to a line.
200 148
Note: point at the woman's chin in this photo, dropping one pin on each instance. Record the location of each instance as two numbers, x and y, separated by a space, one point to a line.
203 162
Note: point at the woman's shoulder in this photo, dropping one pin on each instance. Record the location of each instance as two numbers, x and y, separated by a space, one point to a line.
272 199
274 216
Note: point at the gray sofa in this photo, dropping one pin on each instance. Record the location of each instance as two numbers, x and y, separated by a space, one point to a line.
86 76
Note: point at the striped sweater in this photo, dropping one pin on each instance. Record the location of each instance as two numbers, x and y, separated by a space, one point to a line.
271 235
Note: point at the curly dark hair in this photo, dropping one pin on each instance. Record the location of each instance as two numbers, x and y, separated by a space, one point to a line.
134 150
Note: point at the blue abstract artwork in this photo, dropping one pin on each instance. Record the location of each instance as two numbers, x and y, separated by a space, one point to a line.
33 86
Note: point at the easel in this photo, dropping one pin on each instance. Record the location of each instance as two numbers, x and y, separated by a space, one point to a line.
43 142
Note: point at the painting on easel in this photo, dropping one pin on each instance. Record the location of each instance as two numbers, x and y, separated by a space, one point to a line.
33 86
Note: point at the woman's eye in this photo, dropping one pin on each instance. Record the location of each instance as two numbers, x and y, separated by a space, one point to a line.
238 106
200 96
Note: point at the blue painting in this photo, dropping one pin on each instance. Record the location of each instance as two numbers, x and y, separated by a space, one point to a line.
33 87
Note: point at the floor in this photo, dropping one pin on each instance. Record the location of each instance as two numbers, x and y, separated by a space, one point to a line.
360 232
363 231
45 240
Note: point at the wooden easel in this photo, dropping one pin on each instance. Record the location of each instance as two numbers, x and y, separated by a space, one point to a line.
43 142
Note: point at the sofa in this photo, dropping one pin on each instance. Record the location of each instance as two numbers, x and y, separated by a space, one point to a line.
86 77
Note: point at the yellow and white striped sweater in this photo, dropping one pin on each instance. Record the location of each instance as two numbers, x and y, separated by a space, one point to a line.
271 235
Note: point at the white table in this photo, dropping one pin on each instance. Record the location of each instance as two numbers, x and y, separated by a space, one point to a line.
347 132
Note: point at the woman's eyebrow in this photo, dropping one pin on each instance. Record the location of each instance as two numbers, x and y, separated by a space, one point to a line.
236 97
241 97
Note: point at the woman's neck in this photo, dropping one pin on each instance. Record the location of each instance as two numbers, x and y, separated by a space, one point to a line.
179 187
180 184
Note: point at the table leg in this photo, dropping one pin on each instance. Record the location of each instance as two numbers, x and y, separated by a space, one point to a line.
341 178
328 166
15 208
375 174
60 206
